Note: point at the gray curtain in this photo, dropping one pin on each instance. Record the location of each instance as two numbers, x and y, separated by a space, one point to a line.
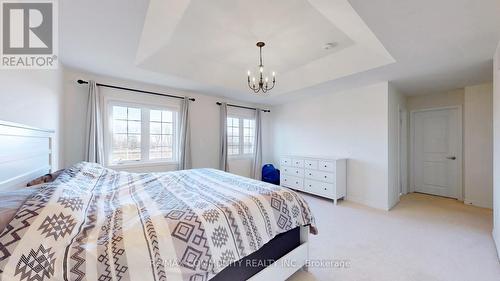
257 153
223 138
185 137
94 143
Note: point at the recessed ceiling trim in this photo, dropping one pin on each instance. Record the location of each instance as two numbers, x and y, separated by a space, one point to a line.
209 42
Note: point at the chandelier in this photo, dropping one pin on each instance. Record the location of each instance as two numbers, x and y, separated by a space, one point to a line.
262 83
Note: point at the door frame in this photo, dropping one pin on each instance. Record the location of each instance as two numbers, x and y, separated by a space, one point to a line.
459 152
403 150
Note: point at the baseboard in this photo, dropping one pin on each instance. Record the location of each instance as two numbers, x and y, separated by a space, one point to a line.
478 203
496 242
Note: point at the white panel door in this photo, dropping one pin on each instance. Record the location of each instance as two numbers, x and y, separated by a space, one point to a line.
437 152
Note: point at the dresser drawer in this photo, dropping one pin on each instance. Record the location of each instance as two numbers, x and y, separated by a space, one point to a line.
286 162
327 166
293 182
286 170
320 188
297 172
311 164
320 176
298 163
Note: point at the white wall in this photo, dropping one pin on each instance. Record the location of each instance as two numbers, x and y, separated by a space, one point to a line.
496 150
397 146
34 98
451 98
204 123
351 124
478 145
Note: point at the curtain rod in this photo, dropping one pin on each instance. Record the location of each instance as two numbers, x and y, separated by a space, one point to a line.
134 90
245 107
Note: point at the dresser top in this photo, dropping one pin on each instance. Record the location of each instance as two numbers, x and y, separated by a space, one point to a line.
314 157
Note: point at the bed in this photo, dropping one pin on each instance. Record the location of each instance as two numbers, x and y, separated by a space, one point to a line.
93 223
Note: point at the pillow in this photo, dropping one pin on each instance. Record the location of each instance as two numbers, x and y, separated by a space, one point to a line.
11 201
45 178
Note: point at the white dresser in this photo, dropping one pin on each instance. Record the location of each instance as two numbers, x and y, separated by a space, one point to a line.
322 177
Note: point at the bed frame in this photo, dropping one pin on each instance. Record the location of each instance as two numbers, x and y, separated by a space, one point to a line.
25 154
290 263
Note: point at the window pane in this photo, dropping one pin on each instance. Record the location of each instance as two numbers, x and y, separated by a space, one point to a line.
161 138
155 115
134 142
234 131
119 126
134 114
119 112
155 154
119 152
155 128
134 147
126 134
168 154
120 141
134 127
248 136
155 141
167 128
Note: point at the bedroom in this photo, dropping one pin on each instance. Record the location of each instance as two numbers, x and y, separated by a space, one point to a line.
378 95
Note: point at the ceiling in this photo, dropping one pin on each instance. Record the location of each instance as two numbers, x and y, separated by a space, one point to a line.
420 46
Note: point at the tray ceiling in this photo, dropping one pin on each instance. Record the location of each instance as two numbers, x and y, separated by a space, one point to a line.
213 42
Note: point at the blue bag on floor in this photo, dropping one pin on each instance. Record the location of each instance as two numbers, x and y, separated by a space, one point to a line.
270 174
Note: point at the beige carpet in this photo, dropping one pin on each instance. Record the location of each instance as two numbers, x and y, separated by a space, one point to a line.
423 238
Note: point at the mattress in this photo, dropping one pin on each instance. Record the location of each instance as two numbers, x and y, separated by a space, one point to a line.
94 223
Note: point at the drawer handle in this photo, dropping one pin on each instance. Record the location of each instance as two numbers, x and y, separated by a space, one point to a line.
325 188
310 185
325 166
325 177
285 179
310 174
296 182
296 172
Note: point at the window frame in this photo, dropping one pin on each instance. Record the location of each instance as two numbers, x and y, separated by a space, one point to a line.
145 134
241 144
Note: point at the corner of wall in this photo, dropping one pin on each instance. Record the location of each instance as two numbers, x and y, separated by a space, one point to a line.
496 149
396 102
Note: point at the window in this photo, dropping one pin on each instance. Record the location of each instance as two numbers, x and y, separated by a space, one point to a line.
233 136
240 136
126 134
248 136
141 134
161 134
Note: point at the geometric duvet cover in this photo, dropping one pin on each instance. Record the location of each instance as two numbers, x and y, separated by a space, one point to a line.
94 223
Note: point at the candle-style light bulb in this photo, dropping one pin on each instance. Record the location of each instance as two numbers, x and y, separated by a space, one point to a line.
261 69
253 79
248 72
274 73
267 79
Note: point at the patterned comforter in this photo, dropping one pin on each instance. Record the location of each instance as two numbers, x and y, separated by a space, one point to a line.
94 223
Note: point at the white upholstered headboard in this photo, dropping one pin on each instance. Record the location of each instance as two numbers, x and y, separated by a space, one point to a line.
25 154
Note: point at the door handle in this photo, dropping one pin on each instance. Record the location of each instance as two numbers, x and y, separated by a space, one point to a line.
451 157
